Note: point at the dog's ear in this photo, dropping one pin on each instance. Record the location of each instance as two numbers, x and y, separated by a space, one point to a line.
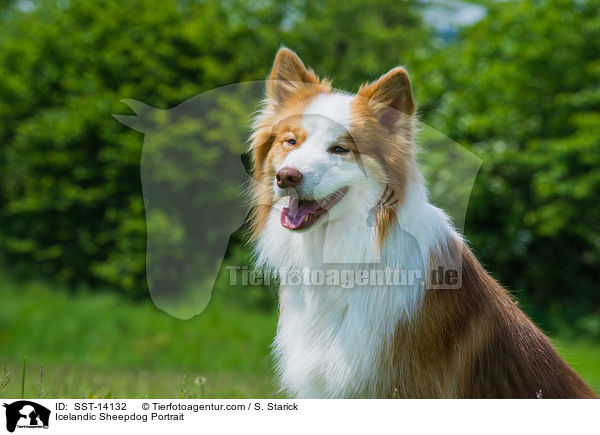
390 97
288 76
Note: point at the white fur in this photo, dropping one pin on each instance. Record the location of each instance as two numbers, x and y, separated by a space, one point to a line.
325 119
331 341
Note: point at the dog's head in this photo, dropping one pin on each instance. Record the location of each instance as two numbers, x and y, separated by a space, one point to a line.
320 152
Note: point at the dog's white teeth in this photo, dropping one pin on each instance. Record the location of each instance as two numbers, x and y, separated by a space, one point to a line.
305 219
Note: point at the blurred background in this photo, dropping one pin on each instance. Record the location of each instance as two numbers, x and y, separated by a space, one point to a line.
515 82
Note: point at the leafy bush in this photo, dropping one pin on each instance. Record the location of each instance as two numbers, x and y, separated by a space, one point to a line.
70 198
521 90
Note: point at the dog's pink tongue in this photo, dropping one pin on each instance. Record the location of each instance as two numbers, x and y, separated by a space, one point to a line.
293 215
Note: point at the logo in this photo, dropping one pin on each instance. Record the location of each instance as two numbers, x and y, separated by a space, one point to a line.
26 414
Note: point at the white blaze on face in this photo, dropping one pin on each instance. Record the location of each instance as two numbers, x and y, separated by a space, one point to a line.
325 120
335 107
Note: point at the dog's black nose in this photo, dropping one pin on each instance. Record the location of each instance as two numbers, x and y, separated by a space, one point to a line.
288 177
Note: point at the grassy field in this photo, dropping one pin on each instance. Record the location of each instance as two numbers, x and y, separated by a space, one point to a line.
101 345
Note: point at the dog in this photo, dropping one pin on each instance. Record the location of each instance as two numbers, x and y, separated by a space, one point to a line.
337 188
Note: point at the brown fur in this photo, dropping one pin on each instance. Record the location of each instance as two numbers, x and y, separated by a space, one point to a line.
383 128
474 342
291 87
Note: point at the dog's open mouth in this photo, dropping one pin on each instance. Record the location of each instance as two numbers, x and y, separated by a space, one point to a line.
303 213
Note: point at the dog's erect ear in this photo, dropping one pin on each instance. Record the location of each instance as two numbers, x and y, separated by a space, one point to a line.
288 76
390 97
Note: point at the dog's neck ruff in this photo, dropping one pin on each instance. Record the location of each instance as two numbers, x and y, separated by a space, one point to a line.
332 339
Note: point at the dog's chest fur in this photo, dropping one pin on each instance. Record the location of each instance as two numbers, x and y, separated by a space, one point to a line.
335 341
330 341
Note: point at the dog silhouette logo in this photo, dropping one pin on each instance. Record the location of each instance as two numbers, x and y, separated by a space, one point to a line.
26 414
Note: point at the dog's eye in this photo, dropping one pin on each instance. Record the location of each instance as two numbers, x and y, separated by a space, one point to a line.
291 141
337 149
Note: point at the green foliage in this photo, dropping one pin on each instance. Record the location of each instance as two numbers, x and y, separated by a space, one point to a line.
70 198
521 90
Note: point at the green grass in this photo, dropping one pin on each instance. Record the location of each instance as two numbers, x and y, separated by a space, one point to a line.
99 345
103 345
67 381
584 356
